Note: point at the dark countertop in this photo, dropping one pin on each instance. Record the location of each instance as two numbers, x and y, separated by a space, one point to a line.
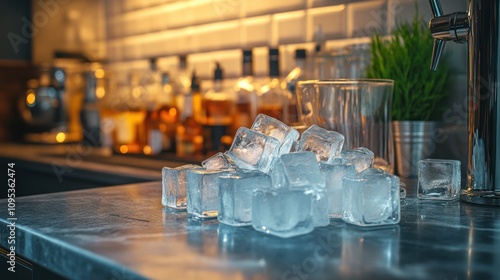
123 232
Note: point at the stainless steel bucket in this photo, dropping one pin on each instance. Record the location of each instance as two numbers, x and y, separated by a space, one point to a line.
413 141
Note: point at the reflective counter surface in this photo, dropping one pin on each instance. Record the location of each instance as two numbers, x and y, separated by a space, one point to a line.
123 232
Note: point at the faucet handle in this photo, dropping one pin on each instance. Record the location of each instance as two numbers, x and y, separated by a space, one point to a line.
436 53
449 27
436 9
438 48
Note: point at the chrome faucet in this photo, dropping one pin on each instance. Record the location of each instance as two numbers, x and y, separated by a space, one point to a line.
479 26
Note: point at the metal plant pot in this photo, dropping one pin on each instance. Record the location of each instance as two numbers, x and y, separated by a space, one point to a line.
413 141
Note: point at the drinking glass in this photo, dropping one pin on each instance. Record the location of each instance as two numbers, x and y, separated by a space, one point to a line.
360 109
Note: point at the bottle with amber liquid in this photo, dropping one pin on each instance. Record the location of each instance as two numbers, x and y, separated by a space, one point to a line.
218 106
246 95
298 73
161 120
272 99
189 138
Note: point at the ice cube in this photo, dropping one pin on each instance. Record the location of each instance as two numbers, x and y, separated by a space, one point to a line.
325 144
219 161
299 170
361 157
272 127
235 196
282 212
253 150
174 186
203 192
370 200
333 174
438 179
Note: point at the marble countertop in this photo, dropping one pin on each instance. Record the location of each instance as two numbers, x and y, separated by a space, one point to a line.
123 232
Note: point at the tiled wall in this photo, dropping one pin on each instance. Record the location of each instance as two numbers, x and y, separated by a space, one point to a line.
211 30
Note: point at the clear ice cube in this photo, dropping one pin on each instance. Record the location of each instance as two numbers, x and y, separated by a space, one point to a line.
438 179
361 157
333 174
299 170
203 192
219 161
325 144
371 200
174 186
235 196
253 150
272 127
282 212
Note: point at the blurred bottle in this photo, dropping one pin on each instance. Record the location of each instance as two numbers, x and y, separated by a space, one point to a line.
271 98
218 105
161 120
298 73
189 136
181 83
94 89
246 95
168 113
129 119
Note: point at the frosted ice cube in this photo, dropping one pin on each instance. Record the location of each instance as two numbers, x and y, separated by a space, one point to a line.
174 186
361 157
370 200
253 150
203 192
298 170
275 128
325 144
235 196
219 161
282 212
438 179
333 174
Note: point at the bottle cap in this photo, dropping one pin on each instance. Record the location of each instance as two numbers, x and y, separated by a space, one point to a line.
274 67
300 53
195 84
247 56
218 72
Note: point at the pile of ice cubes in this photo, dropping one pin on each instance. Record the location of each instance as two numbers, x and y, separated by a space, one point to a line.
283 185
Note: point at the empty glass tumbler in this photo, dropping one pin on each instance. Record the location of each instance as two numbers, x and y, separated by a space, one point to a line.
360 109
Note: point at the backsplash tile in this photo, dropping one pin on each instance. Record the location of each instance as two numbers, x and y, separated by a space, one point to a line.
137 30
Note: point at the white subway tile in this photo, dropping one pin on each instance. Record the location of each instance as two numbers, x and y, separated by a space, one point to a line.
219 36
264 7
291 27
366 18
256 31
332 21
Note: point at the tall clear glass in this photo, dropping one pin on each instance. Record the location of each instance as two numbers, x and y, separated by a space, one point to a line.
360 109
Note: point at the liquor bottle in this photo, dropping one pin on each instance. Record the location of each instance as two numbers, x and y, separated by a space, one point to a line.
129 120
151 136
298 73
218 105
272 99
161 120
181 83
189 136
168 113
246 95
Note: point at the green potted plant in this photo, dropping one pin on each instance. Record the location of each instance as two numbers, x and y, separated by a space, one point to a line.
420 94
